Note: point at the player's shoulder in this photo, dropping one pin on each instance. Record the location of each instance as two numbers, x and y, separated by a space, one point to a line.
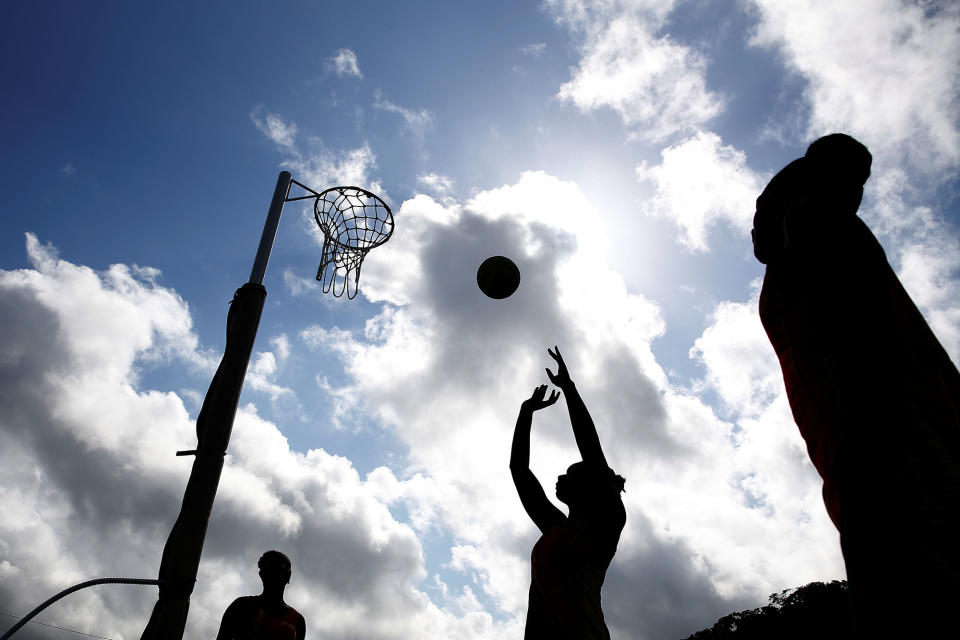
244 602
300 620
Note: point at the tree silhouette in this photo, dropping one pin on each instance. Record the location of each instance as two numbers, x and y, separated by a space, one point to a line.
817 610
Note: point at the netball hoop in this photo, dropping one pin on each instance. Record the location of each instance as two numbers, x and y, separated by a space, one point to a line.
353 222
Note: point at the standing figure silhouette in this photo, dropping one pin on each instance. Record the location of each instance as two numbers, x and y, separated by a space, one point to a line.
266 616
873 392
570 560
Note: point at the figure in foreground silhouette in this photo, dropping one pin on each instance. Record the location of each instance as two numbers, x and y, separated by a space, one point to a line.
570 560
266 616
874 394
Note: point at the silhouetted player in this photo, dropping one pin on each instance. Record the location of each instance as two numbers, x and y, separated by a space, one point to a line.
570 560
874 394
266 616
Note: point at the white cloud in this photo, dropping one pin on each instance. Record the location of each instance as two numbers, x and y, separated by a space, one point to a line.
277 131
739 361
329 168
885 71
772 471
344 63
714 516
281 344
534 50
709 512
540 200
89 485
68 169
440 185
263 369
415 122
77 437
393 273
590 15
298 286
699 182
656 85
923 249
318 165
154 321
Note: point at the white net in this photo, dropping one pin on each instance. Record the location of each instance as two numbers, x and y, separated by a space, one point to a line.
353 221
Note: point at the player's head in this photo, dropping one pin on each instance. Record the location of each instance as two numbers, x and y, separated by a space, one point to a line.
838 165
582 482
831 173
834 167
274 568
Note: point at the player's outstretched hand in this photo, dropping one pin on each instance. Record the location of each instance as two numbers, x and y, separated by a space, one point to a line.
562 377
538 399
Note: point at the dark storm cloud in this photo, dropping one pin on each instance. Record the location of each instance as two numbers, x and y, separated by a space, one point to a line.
632 411
477 335
655 591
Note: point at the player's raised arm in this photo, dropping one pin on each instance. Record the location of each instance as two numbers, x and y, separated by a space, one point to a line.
543 513
584 430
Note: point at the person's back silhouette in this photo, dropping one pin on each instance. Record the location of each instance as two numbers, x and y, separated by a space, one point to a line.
874 394
266 616
569 562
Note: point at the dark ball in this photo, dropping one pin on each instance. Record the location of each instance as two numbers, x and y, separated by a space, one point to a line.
498 277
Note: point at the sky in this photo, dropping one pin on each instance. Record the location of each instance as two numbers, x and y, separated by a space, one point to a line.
613 149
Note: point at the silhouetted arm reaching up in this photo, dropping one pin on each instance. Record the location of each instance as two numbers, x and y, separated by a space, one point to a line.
584 430
543 513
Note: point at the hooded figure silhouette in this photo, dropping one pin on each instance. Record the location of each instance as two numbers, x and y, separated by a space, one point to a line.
874 394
